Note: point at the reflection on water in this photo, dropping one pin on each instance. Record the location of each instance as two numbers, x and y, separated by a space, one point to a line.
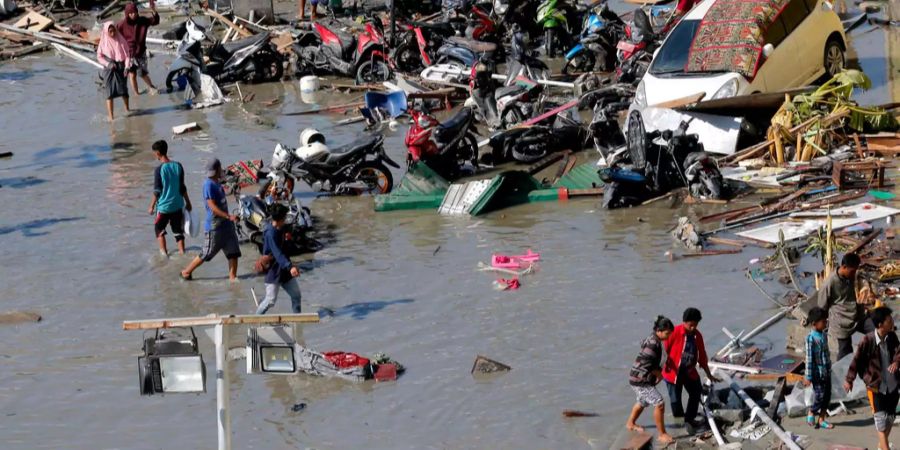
402 283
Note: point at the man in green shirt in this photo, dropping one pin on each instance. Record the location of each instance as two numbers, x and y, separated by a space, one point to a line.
169 198
846 316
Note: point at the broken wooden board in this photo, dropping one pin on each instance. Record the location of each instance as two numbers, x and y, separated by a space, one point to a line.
680 102
639 441
34 22
185 128
484 364
865 212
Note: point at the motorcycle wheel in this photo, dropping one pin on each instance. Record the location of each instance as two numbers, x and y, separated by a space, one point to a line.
579 64
611 193
269 67
471 150
407 58
376 176
373 71
548 43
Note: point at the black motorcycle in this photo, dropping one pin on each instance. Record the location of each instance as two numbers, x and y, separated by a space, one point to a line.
646 169
252 60
353 169
529 144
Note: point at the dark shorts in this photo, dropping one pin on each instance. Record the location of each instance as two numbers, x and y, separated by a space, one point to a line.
313 2
173 220
139 65
884 407
224 238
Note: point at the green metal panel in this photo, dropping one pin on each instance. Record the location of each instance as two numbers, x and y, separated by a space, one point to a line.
507 189
421 188
544 195
385 203
584 176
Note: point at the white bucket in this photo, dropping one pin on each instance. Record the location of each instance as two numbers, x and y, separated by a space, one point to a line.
309 83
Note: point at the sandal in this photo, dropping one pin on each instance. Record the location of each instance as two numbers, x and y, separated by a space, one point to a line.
825 425
811 420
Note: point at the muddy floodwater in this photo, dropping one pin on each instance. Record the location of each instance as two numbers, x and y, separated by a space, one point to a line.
77 247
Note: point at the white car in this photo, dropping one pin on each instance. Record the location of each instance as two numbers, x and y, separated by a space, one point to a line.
801 44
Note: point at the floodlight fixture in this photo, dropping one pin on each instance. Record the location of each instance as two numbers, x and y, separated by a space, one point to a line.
270 349
171 364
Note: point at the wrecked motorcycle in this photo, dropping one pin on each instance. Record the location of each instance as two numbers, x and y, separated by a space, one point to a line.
635 51
353 169
252 60
329 51
252 213
446 147
646 169
603 29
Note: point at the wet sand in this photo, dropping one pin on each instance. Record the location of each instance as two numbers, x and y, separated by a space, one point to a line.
78 248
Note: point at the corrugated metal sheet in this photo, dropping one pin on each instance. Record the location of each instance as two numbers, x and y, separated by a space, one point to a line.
421 188
460 197
583 176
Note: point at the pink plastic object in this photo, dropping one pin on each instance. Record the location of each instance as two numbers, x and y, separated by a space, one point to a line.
515 261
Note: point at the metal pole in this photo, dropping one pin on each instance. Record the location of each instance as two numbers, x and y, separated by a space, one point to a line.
762 327
222 388
761 414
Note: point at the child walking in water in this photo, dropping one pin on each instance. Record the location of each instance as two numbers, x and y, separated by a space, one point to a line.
115 57
646 373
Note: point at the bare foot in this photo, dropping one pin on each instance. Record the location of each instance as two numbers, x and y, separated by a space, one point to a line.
633 427
665 439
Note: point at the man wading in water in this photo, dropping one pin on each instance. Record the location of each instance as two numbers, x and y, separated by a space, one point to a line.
219 225
133 28
169 198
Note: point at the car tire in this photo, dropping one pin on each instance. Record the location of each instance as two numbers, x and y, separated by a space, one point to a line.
834 60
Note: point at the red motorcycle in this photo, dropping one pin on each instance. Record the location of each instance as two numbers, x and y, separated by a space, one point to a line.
328 51
445 147
635 51
418 47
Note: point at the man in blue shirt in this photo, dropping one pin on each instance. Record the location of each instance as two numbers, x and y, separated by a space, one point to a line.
169 198
220 233
281 271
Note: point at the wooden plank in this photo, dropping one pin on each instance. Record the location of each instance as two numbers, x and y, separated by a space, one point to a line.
683 101
772 410
243 32
723 241
639 441
711 253
790 377
34 22
212 319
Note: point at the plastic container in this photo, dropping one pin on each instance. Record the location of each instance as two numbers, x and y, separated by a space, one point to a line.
309 84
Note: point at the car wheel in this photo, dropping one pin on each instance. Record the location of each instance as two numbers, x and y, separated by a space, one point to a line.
834 58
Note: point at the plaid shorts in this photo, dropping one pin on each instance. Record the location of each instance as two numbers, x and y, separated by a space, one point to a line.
647 395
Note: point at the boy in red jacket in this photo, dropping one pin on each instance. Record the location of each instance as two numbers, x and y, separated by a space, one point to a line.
684 351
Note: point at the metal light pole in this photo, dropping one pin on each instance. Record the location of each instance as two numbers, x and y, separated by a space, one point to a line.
223 388
220 339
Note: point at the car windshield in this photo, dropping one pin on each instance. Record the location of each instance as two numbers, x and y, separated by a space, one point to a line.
673 55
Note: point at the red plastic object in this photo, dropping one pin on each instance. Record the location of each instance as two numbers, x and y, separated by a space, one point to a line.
386 372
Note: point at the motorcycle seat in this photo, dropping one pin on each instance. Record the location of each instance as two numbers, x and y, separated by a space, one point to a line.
472 44
446 131
232 47
338 154
347 42
436 27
